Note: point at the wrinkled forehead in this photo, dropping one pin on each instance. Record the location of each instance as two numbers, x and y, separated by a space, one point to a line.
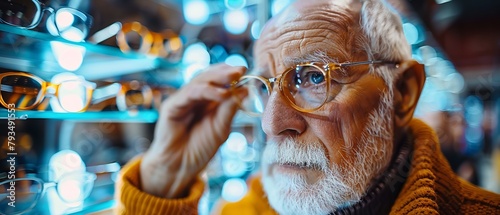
300 9
304 29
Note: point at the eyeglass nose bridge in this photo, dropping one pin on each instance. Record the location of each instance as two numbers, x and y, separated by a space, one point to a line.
271 82
51 89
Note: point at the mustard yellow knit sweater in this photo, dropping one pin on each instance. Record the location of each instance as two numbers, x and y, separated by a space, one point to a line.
430 188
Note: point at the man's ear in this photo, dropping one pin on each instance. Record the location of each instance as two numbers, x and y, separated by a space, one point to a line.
408 86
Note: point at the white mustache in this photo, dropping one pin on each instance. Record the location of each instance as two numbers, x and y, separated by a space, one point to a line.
296 153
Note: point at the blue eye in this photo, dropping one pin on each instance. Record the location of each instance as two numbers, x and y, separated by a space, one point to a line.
317 77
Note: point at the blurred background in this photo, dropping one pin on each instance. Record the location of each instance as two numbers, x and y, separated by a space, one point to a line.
96 72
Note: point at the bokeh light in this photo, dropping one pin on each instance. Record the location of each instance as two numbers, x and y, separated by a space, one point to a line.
196 53
64 162
278 5
236 143
411 33
236 60
195 58
255 29
64 19
234 189
235 21
72 95
235 4
69 57
196 12
70 190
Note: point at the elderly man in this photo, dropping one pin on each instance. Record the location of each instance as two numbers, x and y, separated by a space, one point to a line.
339 90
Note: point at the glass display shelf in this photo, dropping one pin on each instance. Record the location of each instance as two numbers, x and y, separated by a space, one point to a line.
146 116
99 208
46 55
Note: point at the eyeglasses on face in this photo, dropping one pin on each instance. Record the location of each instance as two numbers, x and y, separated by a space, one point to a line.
66 22
71 188
24 91
305 86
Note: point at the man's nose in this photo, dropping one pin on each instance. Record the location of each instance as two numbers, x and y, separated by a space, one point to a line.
280 118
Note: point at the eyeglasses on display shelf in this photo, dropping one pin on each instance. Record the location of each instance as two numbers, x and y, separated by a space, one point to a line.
130 95
135 36
66 22
26 91
71 188
306 87
134 95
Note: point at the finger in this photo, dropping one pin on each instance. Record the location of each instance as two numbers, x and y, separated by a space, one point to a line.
191 96
220 74
227 109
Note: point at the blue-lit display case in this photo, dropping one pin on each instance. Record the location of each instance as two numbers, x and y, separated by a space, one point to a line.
103 137
45 56
38 135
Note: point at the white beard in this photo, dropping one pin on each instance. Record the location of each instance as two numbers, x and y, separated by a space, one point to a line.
336 187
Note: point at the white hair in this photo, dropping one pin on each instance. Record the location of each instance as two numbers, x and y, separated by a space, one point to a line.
383 31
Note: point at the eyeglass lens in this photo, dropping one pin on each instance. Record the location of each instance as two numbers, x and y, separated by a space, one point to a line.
305 86
258 94
75 187
71 24
22 13
20 90
73 96
25 193
134 99
134 40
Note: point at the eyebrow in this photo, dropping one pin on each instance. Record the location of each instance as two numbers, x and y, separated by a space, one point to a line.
315 56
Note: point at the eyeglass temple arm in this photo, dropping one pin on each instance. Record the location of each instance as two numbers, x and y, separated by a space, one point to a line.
367 62
105 33
104 168
104 93
240 83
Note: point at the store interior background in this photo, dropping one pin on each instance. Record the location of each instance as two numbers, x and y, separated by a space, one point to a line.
457 40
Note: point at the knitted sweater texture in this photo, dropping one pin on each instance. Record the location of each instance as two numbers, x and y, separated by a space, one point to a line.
431 187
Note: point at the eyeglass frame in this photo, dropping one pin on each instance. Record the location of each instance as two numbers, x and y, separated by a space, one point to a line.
121 97
47 184
45 86
325 68
152 95
41 7
151 42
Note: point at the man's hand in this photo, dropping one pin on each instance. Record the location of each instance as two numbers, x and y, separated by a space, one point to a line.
193 123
